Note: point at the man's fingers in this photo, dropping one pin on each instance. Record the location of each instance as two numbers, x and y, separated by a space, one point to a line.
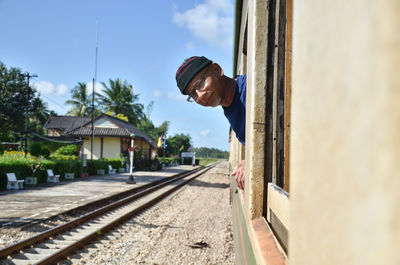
234 172
239 182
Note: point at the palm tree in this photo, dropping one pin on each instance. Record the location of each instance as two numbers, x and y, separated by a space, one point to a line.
81 101
119 98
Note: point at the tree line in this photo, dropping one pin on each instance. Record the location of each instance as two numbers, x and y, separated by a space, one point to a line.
211 152
117 98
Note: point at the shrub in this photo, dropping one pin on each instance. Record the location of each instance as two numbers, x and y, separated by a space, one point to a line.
23 167
45 152
167 160
63 157
66 166
94 165
1 149
38 149
68 150
114 162
35 149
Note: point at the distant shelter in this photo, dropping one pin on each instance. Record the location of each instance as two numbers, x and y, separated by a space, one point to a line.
112 136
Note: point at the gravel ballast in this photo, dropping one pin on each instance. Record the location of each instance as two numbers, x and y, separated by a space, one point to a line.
193 226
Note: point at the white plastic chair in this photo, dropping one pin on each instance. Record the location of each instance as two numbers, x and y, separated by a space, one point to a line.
51 177
111 171
13 183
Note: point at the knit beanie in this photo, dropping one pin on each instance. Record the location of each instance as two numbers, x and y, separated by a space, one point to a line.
188 69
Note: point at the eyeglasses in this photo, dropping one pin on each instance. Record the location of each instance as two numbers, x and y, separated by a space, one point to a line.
198 85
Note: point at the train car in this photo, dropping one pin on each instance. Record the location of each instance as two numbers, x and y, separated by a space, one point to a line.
322 152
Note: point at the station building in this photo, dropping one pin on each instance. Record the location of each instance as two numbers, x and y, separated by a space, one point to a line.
112 136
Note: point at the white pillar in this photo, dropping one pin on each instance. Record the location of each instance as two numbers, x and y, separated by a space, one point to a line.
131 154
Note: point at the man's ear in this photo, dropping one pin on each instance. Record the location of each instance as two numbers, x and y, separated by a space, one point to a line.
218 69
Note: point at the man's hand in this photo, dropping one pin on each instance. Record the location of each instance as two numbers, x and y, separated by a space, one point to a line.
238 173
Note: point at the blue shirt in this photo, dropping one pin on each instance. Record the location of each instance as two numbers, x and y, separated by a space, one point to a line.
236 112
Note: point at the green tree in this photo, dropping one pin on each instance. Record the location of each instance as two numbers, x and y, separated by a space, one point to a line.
81 101
176 142
148 127
39 116
211 152
17 99
118 97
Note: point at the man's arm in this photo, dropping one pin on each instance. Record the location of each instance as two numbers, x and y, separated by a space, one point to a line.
238 173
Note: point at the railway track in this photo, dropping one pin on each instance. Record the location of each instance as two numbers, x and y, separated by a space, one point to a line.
78 211
57 244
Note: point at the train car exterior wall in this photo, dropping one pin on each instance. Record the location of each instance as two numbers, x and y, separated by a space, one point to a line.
341 110
345 146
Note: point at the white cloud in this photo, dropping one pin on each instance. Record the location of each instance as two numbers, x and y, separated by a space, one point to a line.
205 132
157 93
211 21
45 87
60 108
177 96
62 90
97 88
49 89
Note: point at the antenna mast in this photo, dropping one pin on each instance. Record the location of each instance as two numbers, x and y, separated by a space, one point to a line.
94 82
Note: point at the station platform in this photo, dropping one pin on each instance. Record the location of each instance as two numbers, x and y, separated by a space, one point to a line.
47 200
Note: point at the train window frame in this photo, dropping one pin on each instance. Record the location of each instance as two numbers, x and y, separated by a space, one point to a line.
265 199
277 150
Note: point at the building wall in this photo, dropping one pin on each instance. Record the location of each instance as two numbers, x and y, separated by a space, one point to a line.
54 132
345 144
111 147
96 147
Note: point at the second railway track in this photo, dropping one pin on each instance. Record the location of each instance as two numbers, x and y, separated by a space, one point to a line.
56 244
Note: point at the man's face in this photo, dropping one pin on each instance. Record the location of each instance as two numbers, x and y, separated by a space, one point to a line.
205 87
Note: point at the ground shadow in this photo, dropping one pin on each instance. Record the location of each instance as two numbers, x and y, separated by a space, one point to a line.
200 183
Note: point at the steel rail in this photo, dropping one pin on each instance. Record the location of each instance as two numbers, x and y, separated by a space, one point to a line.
115 197
61 254
85 218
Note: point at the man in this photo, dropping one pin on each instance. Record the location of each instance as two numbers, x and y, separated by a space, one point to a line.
205 83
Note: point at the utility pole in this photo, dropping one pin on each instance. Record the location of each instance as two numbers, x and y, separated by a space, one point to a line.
28 76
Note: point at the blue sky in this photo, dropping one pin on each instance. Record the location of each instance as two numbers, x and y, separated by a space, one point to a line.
142 42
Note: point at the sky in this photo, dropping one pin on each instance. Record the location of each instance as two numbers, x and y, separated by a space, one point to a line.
141 42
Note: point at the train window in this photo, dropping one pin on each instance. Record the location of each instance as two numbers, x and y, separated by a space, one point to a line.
262 50
278 94
278 112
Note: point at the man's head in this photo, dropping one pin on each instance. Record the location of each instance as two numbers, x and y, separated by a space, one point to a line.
188 69
201 79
